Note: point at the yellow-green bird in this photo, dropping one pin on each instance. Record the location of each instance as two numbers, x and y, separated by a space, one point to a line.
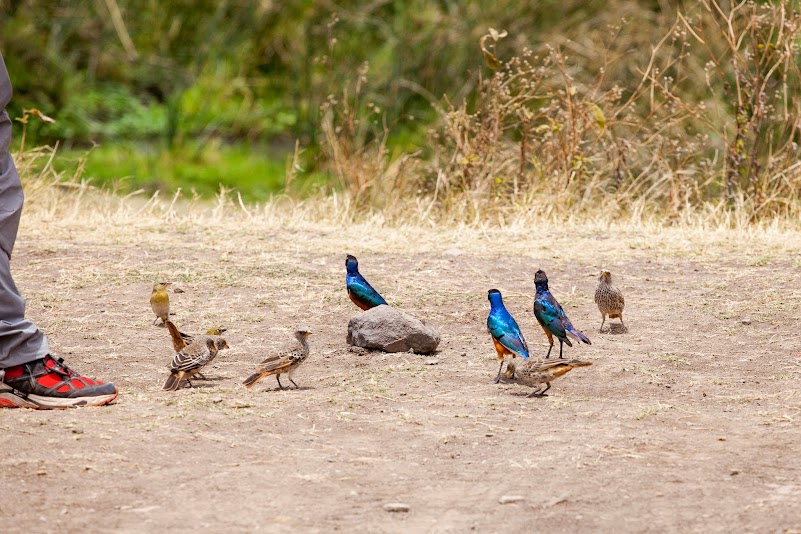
160 302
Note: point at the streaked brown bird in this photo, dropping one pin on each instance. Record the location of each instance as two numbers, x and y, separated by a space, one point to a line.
180 339
609 299
160 302
285 361
191 359
533 373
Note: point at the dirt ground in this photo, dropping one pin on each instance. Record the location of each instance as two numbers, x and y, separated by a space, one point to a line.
687 423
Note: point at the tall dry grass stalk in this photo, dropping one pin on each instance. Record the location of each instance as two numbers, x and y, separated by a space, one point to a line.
708 128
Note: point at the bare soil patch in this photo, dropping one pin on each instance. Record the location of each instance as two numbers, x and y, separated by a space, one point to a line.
687 422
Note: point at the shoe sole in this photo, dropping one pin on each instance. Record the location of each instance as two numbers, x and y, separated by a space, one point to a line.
35 402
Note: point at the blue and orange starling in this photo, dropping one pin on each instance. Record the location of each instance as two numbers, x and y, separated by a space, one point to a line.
503 329
552 317
359 290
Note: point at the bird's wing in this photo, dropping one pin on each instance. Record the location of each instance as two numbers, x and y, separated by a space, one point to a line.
508 334
549 314
361 290
194 355
276 363
558 368
545 366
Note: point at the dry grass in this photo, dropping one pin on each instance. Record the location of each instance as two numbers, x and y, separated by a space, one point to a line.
51 196
702 128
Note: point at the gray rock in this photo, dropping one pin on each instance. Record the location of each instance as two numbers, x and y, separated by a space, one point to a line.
509 499
391 330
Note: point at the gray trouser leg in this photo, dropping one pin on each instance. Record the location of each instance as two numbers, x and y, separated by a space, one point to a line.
20 340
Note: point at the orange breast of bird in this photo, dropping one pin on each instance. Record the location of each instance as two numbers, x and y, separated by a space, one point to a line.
501 350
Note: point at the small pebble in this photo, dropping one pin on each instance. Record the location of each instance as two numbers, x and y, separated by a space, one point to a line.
746 321
509 499
396 507
431 361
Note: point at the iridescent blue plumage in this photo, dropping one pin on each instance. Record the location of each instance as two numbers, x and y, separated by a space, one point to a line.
359 290
552 317
506 335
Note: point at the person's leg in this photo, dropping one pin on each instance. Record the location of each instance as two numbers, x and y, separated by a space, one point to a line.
29 376
20 340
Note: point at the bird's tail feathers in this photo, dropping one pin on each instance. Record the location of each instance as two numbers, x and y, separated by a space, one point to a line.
252 379
172 382
578 336
178 338
578 363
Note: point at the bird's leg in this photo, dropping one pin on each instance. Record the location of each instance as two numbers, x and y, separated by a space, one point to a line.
533 394
560 349
278 377
549 351
621 322
603 320
293 382
542 393
201 375
190 383
498 378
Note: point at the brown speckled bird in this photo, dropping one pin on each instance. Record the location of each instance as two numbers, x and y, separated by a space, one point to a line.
192 358
160 302
285 361
609 299
533 373
180 339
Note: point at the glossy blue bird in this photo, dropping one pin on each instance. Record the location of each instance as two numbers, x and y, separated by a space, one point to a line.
552 317
359 290
503 328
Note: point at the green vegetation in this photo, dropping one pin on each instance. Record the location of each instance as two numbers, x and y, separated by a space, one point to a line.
195 168
623 106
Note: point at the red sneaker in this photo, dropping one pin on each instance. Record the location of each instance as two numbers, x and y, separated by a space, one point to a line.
48 383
